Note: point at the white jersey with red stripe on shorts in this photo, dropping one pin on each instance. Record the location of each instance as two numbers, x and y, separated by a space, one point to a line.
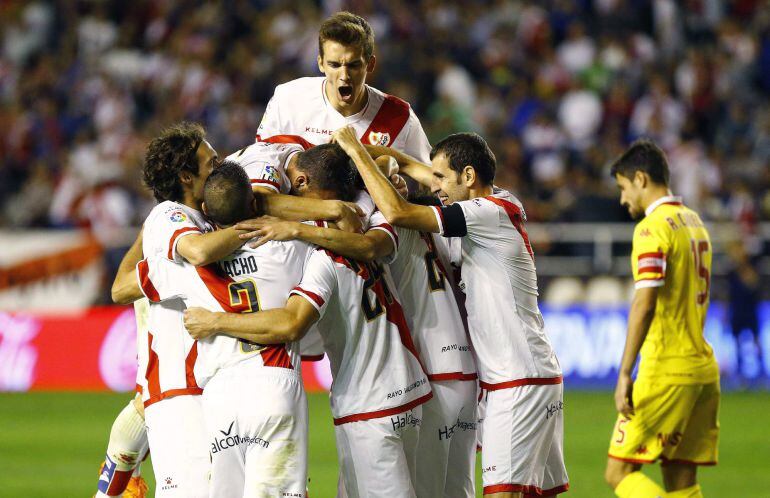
446 453
175 426
519 373
300 107
378 382
254 402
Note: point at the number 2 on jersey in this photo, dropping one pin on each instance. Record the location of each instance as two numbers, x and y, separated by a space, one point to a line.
698 247
245 298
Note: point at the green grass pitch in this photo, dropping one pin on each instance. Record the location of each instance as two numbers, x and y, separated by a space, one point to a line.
52 443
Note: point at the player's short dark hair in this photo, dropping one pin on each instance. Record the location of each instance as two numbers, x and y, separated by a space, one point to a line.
328 167
643 155
347 29
227 194
468 149
173 151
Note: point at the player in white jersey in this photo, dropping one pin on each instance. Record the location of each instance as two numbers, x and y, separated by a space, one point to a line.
379 384
518 370
313 108
254 403
447 443
176 167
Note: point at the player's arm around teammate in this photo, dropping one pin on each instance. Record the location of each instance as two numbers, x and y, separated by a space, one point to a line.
273 326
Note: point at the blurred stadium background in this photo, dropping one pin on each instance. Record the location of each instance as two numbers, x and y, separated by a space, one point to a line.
557 87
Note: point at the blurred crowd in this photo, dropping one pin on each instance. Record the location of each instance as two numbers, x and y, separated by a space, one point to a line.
557 87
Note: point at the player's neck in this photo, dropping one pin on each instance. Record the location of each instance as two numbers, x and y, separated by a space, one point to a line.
653 195
346 110
188 199
480 191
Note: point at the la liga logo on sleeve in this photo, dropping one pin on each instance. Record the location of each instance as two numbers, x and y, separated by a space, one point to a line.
177 216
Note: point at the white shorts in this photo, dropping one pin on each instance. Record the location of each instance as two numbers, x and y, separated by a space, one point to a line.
257 426
178 447
446 449
523 433
377 456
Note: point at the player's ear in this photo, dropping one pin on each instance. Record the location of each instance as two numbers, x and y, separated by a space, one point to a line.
468 175
321 63
185 177
640 179
203 207
371 64
300 183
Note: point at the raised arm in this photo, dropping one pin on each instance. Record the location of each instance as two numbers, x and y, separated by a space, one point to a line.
203 249
125 289
394 207
274 326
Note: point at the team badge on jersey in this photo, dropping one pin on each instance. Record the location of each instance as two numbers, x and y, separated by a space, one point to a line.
177 216
379 138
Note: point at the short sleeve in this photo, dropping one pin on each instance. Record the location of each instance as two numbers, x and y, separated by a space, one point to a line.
271 123
648 257
160 279
416 143
378 222
318 281
479 219
166 227
265 165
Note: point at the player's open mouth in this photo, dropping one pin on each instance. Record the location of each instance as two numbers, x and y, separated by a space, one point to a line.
346 93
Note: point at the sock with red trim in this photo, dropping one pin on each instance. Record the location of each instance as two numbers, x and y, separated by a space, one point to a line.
691 492
128 442
638 485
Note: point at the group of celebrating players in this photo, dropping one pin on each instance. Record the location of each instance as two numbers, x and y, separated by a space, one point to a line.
427 309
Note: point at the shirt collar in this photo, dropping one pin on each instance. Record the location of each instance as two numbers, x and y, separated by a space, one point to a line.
666 199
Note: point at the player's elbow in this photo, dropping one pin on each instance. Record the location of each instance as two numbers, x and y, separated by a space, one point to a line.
124 294
293 331
397 214
196 256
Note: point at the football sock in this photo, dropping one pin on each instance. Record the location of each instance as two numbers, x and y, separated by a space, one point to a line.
128 442
691 492
638 485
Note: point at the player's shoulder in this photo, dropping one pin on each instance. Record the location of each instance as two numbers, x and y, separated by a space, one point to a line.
392 100
294 89
173 211
500 199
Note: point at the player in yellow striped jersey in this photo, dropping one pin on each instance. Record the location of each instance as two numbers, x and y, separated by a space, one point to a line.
669 413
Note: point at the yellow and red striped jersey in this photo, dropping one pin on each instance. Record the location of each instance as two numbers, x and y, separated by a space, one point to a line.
672 250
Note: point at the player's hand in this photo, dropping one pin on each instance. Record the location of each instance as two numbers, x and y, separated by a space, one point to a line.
346 138
623 395
387 164
200 323
267 228
349 218
400 185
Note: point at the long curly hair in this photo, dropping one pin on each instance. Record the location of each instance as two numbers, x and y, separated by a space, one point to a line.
169 154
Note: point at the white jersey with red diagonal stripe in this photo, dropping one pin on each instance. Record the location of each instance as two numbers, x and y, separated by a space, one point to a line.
500 284
429 304
171 353
300 108
247 281
375 366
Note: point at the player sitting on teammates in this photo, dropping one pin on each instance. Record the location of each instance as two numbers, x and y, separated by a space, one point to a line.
378 383
314 107
518 370
670 412
447 442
